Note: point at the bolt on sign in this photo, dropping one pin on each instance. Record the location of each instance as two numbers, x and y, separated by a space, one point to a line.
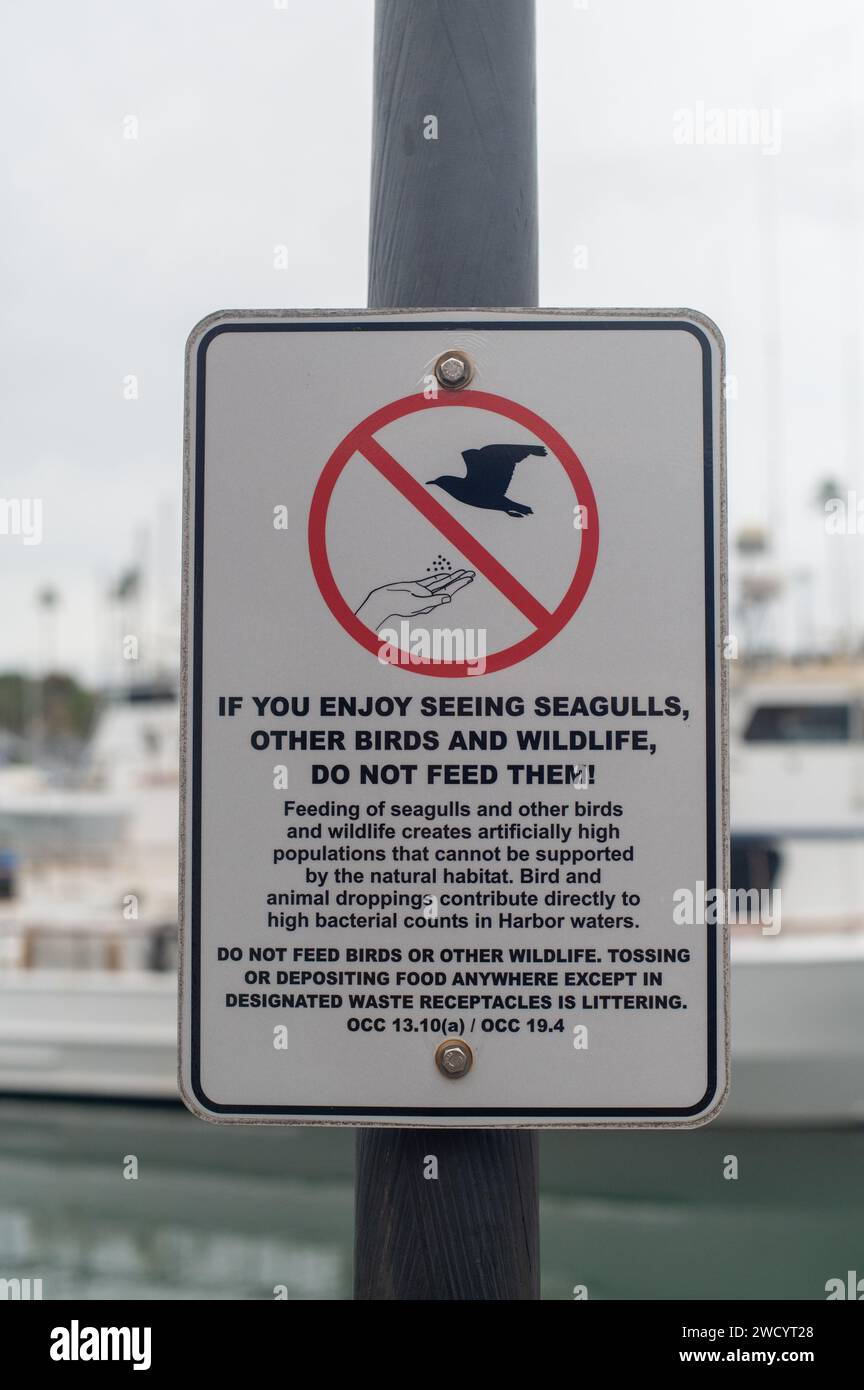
453 719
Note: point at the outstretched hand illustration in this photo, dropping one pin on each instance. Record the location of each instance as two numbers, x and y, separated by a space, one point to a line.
408 598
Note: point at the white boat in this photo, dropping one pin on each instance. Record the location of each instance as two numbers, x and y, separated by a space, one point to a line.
88 932
40 820
797 1046
89 1033
797 813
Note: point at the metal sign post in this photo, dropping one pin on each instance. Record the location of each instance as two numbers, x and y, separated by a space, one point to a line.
453 222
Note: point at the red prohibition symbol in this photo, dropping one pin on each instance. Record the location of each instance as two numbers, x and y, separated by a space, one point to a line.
361 440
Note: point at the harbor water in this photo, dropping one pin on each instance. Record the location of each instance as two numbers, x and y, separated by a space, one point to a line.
266 1212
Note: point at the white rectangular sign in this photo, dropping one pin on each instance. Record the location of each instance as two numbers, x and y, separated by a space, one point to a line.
454 824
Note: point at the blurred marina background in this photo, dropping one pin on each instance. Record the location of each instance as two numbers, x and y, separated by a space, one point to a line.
119 243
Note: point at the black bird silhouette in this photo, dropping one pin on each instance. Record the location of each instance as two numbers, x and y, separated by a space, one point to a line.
488 472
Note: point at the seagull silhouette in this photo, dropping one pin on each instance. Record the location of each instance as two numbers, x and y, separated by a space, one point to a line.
488 472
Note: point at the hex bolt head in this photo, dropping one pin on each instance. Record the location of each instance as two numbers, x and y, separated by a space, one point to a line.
454 370
454 1058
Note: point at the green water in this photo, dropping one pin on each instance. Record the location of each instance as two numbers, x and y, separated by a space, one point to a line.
230 1213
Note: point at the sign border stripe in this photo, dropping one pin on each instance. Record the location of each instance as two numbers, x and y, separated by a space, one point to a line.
614 1116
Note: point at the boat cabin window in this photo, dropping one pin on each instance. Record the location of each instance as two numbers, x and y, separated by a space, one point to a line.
753 864
802 723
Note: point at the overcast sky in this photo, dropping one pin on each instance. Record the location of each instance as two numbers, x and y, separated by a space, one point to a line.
253 126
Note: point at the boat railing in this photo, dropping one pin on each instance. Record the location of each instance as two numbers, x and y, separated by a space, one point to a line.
105 946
